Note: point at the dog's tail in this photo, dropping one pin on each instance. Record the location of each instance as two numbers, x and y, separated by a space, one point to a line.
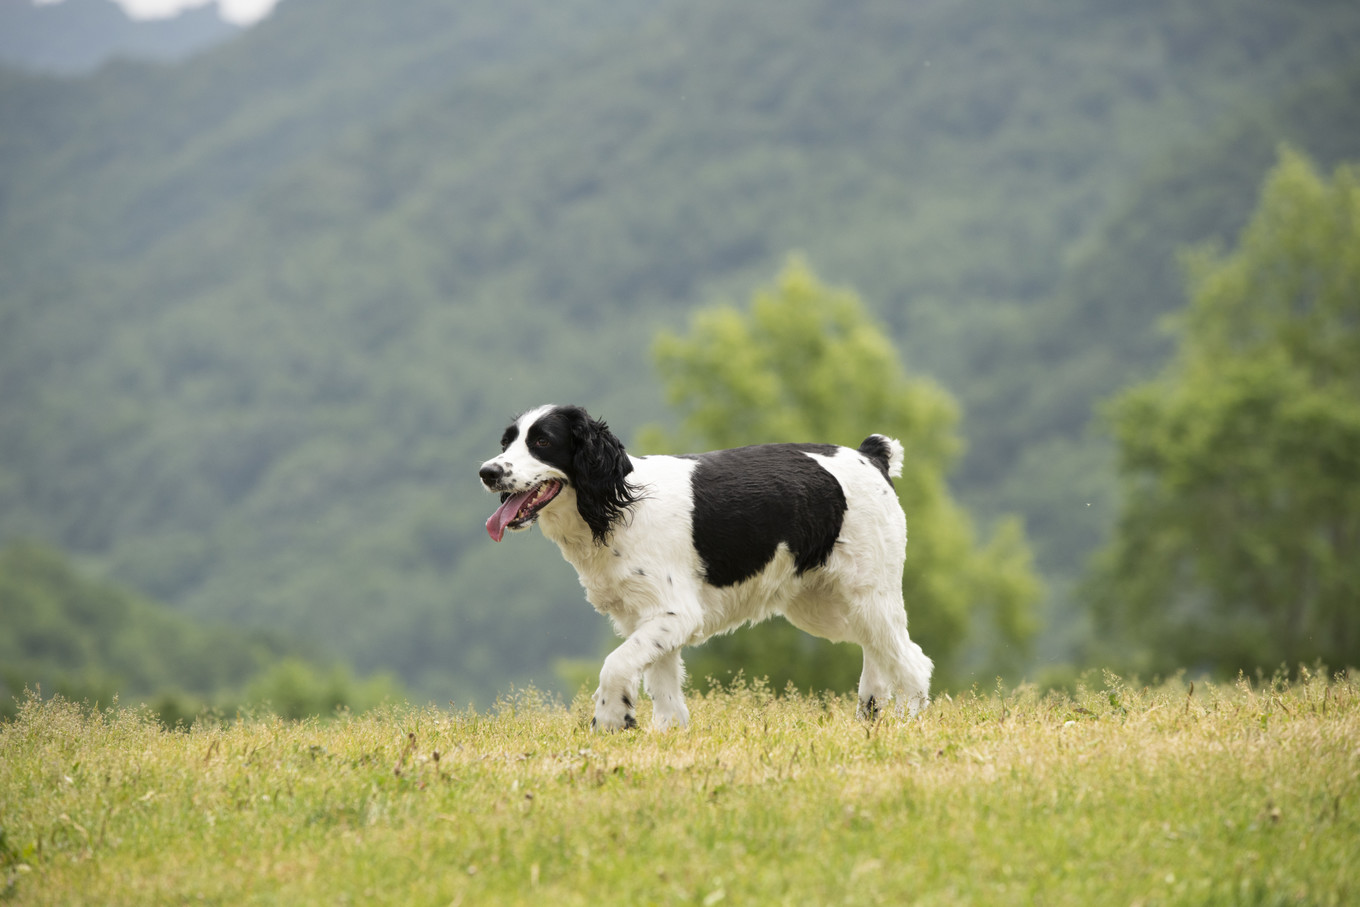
885 453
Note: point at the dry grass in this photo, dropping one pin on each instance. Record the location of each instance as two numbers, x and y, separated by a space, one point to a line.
1226 794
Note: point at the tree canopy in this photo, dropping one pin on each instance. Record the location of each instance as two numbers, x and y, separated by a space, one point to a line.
1238 545
806 362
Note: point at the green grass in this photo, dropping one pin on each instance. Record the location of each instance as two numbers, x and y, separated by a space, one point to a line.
1110 795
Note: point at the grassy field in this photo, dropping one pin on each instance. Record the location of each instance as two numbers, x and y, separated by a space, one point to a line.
1236 794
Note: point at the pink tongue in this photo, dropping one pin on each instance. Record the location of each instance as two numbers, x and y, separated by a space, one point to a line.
505 515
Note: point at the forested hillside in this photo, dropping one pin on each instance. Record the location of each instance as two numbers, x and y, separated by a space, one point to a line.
262 314
96 641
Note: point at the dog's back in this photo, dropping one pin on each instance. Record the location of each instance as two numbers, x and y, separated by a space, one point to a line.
797 530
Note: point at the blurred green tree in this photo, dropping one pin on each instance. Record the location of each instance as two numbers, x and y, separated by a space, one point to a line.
89 639
806 362
1238 545
296 688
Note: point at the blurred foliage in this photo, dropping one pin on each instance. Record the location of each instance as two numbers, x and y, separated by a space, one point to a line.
84 639
261 314
296 688
1238 543
1035 374
805 362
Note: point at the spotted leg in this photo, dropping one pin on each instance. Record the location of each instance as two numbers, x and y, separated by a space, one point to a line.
655 640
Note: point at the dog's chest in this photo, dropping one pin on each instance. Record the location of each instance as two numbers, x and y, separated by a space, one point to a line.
620 587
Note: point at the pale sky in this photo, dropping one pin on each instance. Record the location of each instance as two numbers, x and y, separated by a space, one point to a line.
241 12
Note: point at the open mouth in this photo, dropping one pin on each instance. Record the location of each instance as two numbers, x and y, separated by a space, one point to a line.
517 511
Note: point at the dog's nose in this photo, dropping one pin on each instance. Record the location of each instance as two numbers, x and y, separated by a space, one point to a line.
491 474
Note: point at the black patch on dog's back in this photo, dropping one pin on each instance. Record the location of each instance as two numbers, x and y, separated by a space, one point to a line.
749 499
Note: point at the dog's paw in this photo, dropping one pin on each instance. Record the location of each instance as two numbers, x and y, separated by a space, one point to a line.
613 713
868 709
608 726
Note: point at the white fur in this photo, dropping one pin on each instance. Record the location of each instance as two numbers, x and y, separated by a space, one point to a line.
649 581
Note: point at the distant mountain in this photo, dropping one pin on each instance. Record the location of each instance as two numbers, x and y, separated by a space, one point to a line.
263 313
92 640
79 36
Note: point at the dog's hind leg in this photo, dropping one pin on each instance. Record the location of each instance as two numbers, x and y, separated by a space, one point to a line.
874 690
893 663
908 669
872 623
911 670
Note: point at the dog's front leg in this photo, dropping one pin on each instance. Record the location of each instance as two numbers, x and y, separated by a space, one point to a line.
665 681
653 647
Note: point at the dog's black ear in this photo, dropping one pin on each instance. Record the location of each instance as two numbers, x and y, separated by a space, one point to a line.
600 467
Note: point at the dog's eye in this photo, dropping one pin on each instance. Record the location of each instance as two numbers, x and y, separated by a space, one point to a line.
542 442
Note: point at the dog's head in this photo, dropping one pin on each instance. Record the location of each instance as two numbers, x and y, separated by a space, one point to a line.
551 448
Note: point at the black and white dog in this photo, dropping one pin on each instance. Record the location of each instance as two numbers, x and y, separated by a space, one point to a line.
675 549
